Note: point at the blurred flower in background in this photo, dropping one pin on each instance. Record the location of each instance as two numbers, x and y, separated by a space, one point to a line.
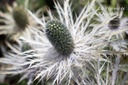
13 22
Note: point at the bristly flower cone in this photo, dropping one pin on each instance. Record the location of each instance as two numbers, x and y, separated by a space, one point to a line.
16 26
60 37
114 23
20 17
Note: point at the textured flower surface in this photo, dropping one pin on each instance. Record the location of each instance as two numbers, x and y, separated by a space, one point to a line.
63 48
13 25
113 17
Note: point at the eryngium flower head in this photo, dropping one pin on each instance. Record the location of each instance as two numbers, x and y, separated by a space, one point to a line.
20 17
114 23
82 40
60 37
14 22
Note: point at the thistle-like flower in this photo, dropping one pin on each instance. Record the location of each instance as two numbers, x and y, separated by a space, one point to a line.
13 24
113 19
62 49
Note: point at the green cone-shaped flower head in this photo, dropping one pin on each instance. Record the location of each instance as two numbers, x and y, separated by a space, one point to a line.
114 23
60 37
20 17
